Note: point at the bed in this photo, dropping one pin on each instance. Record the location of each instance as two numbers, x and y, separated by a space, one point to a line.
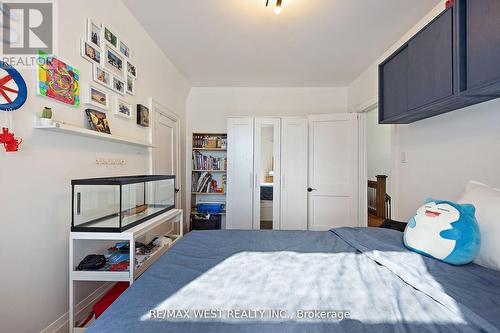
364 275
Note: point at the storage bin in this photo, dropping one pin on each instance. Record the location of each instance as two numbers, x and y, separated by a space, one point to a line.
211 208
199 222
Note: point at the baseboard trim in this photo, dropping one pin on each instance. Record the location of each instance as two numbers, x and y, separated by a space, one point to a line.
61 324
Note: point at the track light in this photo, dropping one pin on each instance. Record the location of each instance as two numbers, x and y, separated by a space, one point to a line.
277 8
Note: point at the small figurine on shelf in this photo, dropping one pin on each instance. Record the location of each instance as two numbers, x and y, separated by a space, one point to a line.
46 117
10 143
213 186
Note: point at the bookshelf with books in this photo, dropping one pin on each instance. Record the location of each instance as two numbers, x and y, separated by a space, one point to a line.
208 170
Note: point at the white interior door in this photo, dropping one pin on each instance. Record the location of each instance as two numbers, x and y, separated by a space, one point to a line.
294 173
267 165
240 175
333 171
166 138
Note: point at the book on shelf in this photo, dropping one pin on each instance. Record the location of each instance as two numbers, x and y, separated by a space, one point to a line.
210 141
208 162
205 183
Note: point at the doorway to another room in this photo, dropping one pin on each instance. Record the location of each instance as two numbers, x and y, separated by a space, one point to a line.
378 148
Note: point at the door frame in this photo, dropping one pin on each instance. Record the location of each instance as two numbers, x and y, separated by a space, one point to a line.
156 107
362 110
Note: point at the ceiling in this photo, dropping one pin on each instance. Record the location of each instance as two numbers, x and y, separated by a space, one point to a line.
242 43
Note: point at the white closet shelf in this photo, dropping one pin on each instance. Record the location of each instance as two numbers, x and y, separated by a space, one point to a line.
75 130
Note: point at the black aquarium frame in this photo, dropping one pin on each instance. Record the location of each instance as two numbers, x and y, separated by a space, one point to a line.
117 181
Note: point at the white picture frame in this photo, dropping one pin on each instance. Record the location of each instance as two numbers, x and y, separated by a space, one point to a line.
102 76
94 33
114 62
96 97
130 85
91 53
109 37
120 106
118 85
124 49
131 69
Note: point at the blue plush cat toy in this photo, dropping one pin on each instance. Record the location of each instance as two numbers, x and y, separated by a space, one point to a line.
444 230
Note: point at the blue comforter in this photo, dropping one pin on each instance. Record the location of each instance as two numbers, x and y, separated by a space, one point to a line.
272 281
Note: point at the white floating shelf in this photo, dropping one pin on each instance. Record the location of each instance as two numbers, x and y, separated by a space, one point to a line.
75 130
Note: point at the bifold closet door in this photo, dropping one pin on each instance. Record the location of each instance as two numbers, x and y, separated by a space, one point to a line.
240 175
294 162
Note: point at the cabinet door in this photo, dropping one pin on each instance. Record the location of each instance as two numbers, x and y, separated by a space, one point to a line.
393 86
294 144
430 55
240 176
483 42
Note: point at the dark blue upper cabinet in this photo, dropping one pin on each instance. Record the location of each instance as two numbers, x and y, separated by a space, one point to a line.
482 46
431 63
452 63
394 93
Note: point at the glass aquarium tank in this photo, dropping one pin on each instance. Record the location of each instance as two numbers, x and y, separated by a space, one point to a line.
116 204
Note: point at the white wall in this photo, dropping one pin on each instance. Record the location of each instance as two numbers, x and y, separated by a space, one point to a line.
35 182
443 152
378 148
209 108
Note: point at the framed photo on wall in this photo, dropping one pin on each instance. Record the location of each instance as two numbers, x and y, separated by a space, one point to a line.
130 85
122 108
142 115
102 76
91 52
114 62
118 85
110 36
97 97
98 121
124 49
131 70
94 34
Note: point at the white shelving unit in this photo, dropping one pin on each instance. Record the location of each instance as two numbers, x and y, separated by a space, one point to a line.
130 236
80 131
207 149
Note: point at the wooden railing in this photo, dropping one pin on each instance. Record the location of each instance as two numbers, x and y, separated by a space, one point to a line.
379 202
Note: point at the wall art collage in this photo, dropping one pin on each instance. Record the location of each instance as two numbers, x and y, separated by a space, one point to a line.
113 77
112 69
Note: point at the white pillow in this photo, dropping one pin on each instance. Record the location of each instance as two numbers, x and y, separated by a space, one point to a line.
487 202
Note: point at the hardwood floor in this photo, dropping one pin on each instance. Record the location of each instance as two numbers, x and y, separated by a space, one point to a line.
374 221
266 225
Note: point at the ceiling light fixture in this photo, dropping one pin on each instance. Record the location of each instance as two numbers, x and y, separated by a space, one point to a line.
277 8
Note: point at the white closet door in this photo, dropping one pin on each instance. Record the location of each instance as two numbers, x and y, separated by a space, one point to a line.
240 176
294 174
333 171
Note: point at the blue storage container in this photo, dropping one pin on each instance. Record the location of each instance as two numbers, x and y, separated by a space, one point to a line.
211 208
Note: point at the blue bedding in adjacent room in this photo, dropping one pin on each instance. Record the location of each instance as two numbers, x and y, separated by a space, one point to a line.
266 192
367 272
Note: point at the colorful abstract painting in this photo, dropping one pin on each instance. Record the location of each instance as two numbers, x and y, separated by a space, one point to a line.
58 80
